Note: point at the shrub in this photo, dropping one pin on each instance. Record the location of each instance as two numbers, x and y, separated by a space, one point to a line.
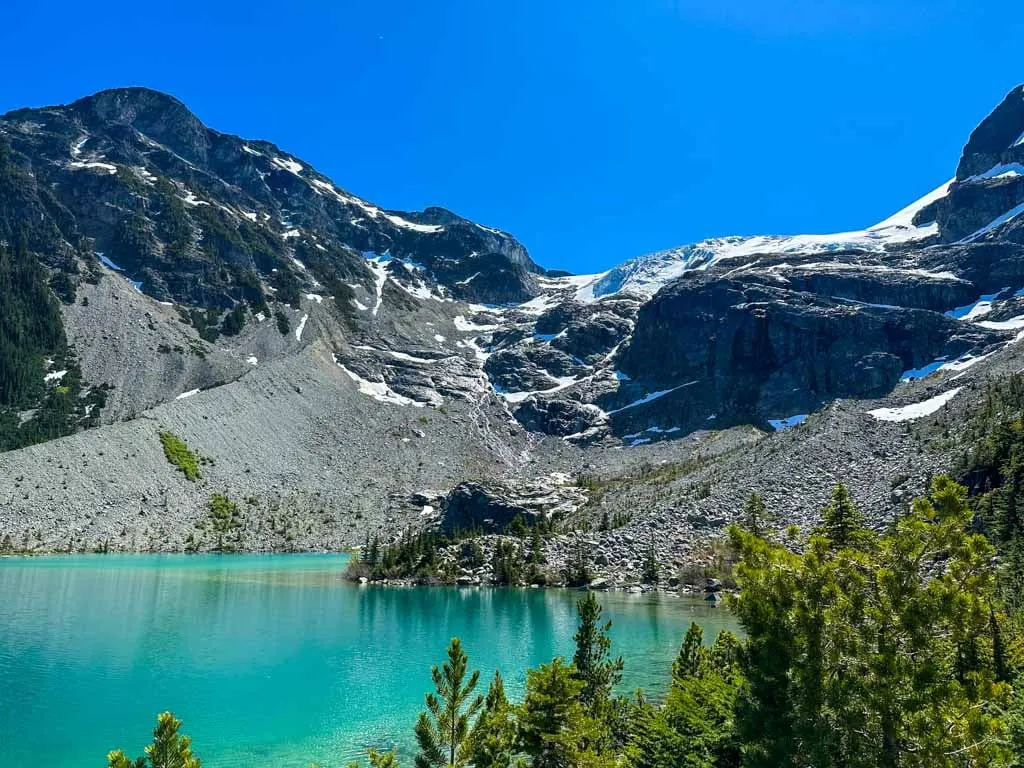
179 455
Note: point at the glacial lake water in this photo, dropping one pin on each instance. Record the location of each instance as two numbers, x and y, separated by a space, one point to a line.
272 661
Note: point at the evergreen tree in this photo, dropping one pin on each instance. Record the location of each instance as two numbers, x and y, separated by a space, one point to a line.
696 726
688 662
555 730
376 759
873 656
168 750
577 567
442 732
591 663
493 740
756 516
841 522
649 573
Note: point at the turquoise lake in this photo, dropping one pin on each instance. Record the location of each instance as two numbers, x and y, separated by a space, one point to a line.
272 661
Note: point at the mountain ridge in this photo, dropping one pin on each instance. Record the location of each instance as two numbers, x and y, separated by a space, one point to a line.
348 367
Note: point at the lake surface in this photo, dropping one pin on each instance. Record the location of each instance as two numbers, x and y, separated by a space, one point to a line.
271 661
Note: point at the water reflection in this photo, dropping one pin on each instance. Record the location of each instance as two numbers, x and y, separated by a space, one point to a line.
270 660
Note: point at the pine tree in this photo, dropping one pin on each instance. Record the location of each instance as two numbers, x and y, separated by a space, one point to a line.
168 750
650 573
442 731
841 522
493 740
554 728
873 656
756 516
591 663
687 663
376 759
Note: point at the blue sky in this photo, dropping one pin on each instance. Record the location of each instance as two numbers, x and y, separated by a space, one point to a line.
594 130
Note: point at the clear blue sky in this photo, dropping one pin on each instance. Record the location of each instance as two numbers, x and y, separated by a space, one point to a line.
594 130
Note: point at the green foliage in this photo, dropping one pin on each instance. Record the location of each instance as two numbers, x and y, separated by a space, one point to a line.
414 555
696 726
592 664
168 750
493 740
507 563
224 519
577 571
650 572
179 455
555 730
233 321
842 523
872 655
31 334
756 516
443 731
377 760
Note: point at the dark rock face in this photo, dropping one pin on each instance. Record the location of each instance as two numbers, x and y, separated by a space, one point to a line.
471 507
558 417
749 353
593 336
492 507
531 368
972 205
996 138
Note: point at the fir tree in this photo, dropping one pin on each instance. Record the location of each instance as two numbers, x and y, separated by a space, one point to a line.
591 663
841 522
756 516
555 730
442 732
493 740
650 573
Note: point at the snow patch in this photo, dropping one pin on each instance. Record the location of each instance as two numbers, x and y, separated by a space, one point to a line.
190 393
462 324
915 410
252 360
468 280
380 272
1012 324
979 308
108 263
55 376
647 274
925 370
379 390
301 328
78 165
518 397
650 397
1001 171
288 165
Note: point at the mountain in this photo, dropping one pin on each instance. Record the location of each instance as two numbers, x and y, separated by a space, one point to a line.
189 317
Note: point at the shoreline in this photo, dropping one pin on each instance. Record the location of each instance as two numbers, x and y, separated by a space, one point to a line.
714 598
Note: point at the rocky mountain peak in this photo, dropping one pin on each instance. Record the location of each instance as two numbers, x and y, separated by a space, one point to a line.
999 138
155 114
